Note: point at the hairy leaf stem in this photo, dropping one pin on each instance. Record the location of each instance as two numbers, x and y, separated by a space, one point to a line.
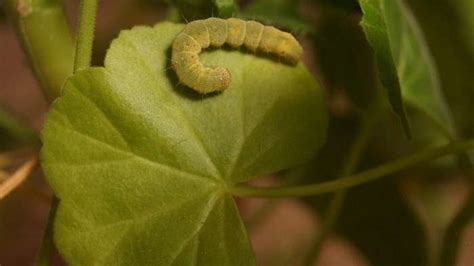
357 150
353 180
47 245
42 27
85 37
44 32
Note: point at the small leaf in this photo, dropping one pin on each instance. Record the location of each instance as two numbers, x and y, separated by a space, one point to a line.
226 8
142 166
283 13
199 9
14 133
404 61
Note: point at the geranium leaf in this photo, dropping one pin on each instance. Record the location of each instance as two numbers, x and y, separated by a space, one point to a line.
142 166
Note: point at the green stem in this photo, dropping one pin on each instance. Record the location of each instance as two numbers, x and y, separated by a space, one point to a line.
269 206
43 30
82 60
86 34
336 204
42 27
47 244
354 180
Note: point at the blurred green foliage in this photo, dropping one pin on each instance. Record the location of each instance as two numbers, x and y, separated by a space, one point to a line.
282 13
448 29
344 57
377 219
14 133
351 6
199 9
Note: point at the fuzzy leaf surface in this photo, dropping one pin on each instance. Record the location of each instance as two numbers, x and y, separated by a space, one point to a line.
405 63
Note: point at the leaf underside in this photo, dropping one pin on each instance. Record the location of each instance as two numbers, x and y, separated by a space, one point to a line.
405 63
142 165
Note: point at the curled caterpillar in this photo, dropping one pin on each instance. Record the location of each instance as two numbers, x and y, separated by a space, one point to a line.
215 32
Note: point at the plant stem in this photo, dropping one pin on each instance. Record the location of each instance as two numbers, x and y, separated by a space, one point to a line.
82 60
17 178
270 205
354 180
42 27
86 34
336 204
47 244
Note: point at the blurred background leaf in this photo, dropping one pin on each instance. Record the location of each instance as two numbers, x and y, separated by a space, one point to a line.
380 223
199 9
448 28
282 13
226 8
14 133
343 5
344 56
376 217
404 60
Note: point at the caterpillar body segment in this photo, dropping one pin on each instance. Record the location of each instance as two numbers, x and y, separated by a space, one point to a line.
236 30
253 35
217 29
215 32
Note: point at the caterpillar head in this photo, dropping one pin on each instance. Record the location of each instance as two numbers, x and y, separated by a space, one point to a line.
289 48
212 80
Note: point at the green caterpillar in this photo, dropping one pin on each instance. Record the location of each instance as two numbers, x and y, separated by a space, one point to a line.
215 32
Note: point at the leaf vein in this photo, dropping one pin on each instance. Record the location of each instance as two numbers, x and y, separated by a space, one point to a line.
178 108
137 156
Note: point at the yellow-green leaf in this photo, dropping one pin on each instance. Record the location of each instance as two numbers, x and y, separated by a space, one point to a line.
143 166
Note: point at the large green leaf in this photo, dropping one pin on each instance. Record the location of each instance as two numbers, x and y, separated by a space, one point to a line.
404 60
142 166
